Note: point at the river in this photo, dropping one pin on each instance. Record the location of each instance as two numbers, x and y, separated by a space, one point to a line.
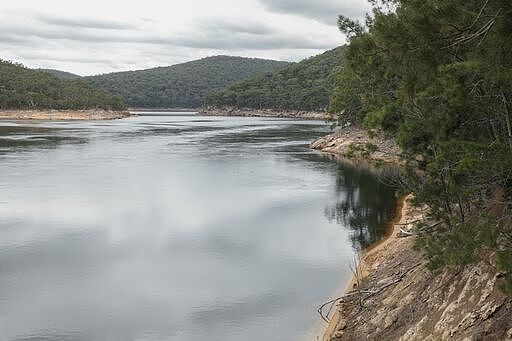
171 226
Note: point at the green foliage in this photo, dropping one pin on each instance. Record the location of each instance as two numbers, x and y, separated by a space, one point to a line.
438 76
22 88
360 150
60 74
184 85
504 259
306 85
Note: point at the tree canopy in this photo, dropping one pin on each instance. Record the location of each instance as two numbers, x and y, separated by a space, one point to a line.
306 85
61 74
437 75
183 85
23 88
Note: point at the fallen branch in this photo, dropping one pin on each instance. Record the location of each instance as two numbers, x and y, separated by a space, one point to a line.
403 234
332 303
394 281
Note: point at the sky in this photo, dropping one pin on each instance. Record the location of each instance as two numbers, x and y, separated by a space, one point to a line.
101 36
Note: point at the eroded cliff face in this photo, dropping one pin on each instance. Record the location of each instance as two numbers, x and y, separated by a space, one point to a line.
398 298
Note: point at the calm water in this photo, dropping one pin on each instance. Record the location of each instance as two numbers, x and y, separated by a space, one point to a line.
175 227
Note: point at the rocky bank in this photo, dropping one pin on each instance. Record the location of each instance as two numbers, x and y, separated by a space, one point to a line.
307 115
356 145
393 296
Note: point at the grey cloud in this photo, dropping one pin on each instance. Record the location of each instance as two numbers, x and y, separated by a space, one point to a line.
325 11
223 26
218 36
72 59
83 23
10 39
250 43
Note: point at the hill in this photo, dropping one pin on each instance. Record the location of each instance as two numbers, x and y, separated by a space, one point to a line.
61 74
183 85
306 85
23 88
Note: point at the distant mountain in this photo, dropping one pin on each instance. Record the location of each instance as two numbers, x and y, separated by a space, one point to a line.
183 85
23 88
306 85
60 74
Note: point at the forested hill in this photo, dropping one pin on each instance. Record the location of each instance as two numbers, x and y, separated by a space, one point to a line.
60 74
437 75
306 85
183 85
23 88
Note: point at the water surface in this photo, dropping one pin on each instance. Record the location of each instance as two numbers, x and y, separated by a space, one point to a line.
175 227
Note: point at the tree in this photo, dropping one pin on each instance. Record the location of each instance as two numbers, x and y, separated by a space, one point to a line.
437 75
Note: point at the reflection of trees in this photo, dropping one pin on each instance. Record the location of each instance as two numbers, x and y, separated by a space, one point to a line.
365 205
24 138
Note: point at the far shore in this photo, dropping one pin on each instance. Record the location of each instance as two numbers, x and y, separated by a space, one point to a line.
248 112
71 115
163 109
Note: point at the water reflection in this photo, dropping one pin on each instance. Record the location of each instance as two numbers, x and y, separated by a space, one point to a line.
14 137
365 205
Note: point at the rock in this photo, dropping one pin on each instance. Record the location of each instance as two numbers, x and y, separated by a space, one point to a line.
509 333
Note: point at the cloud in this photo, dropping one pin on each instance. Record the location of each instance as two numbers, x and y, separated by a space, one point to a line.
210 34
325 11
232 25
229 33
83 23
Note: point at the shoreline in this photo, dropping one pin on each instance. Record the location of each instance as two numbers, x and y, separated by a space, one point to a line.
356 146
163 110
63 115
391 232
271 113
402 216
350 145
392 294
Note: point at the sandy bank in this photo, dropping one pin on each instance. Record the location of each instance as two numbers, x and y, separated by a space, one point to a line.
62 114
405 215
306 115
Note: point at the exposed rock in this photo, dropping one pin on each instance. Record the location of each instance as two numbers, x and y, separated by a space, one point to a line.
356 143
297 114
460 304
62 114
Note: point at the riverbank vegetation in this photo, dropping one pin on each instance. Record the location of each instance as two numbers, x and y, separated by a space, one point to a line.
437 76
305 86
183 85
26 89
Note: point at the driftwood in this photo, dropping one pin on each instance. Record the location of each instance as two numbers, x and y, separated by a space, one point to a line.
403 233
407 233
364 294
428 227
332 303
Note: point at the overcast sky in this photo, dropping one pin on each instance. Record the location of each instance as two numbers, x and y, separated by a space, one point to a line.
98 36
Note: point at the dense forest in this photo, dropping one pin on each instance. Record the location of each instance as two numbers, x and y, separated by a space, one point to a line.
23 88
60 74
306 85
437 75
183 85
